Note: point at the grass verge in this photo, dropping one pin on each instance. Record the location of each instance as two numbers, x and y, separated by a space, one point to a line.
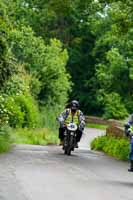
5 138
97 126
40 136
118 148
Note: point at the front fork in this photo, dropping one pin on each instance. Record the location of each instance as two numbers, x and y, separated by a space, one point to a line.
69 139
65 139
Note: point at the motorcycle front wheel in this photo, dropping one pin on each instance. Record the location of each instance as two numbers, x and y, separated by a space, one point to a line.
70 147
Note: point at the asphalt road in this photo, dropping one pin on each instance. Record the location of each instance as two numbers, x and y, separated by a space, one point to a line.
45 173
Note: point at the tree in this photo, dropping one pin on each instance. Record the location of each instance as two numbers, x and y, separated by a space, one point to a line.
112 51
7 61
46 64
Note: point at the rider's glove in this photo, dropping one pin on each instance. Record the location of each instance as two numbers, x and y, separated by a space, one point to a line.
127 129
81 128
130 132
62 125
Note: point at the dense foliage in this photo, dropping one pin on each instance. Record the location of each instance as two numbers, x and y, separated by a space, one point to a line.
52 51
32 73
118 148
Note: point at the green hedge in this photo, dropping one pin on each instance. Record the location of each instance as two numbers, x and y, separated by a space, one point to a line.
118 148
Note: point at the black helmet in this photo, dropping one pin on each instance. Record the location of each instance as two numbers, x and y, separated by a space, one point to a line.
74 104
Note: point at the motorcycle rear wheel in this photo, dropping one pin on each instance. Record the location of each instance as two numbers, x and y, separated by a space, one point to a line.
65 151
68 151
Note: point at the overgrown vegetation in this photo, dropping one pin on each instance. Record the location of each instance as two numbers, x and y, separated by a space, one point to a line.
38 136
54 51
5 138
118 148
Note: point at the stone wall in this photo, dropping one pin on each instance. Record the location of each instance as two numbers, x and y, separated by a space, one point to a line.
95 120
115 128
98 120
115 131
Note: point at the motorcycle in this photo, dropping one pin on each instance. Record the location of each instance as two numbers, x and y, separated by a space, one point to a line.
70 138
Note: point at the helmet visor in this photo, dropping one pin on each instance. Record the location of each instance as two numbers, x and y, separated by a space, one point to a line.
74 107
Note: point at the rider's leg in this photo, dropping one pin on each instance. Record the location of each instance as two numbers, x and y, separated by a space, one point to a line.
61 135
79 135
131 156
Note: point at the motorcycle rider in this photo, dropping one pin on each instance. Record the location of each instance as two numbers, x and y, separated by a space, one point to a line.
72 114
128 131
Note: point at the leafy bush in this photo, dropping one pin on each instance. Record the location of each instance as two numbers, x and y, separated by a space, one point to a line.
10 112
35 87
118 148
17 84
98 143
30 110
114 108
18 111
5 138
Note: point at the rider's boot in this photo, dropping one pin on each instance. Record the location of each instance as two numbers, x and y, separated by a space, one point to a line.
76 145
131 166
61 143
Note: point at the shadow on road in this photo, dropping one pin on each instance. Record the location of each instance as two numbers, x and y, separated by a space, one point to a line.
120 183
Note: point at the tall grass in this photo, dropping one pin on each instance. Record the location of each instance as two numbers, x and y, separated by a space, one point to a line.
48 118
46 133
5 138
40 136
